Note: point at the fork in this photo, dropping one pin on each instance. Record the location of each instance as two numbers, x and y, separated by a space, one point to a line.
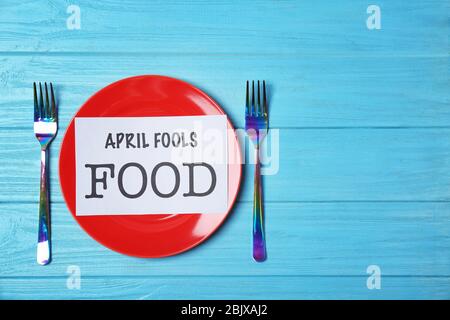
256 126
45 128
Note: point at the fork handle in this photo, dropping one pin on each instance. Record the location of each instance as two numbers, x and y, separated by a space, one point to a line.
259 242
43 246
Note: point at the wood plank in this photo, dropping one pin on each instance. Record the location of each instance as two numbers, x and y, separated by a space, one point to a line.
231 27
308 239
317 165
226 288
318 92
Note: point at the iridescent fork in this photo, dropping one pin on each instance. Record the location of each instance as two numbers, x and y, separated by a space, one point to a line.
256 126
45 128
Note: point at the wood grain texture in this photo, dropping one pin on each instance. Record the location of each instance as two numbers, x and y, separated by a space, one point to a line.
364 150
323 92
307 239
187 287
314 165
302 28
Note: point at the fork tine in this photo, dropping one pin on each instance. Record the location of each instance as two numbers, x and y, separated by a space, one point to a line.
247 100
53 111
252 110
264 101
258 105
47 104
41 103
36 106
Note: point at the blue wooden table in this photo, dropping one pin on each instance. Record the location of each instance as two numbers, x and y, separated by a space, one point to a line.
360 205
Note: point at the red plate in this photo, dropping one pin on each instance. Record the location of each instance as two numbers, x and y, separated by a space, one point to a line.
148 236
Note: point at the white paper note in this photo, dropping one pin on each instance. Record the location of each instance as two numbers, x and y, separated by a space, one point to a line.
151 165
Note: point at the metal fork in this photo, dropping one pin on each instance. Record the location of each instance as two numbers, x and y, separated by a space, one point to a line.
45 128
256 126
